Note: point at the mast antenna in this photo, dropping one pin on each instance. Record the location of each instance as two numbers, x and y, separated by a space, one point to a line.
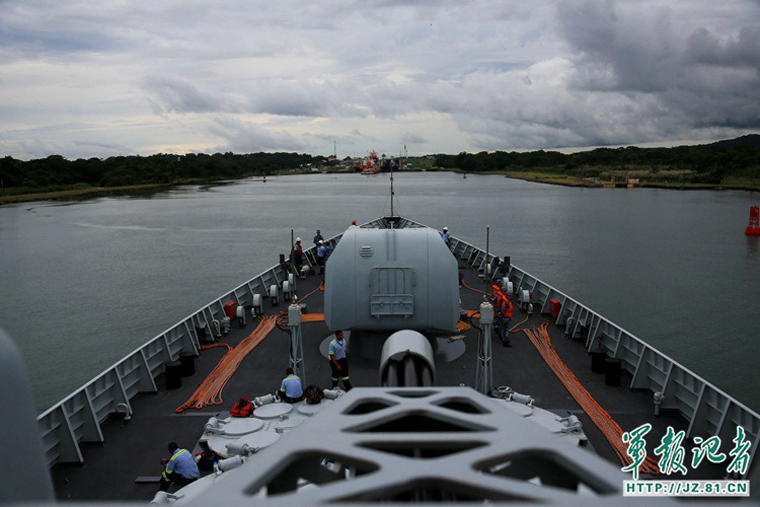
392 194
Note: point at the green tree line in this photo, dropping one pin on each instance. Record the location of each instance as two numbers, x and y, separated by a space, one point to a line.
710 164
56 171
699 164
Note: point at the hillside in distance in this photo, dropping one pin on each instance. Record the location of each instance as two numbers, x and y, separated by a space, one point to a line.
751 140
733 163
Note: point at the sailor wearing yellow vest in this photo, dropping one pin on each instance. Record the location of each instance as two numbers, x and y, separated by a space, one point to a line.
291 390
180 468
338 361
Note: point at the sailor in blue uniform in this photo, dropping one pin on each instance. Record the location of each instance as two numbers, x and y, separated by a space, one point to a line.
329 249
298 255
291 390
321 256
446 237
318 237
338 361
180 468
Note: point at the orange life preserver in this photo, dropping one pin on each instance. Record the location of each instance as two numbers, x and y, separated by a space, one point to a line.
243 408
501 302
497 297
508 312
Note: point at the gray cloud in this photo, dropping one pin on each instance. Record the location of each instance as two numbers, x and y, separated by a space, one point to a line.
171 94
457 75
343 140
247 137
706 48
52 32
280 97
411 138
112 148
302 97
41 148
684 75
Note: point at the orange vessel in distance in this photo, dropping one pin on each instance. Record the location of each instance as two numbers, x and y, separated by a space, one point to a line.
371 164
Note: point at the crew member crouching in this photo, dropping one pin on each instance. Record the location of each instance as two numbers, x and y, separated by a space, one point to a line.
180 468
291 390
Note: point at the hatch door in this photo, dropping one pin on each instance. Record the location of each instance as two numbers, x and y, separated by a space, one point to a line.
391 291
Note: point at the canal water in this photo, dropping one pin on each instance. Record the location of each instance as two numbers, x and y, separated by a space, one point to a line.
83 283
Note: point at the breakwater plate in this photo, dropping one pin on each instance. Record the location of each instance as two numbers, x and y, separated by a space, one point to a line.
446 350
240 426
309 410
273 411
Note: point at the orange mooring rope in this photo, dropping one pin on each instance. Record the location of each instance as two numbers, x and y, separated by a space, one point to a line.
212 345
603 420
600 417
210 390
321 287
514 329
472 288
471 313
283 315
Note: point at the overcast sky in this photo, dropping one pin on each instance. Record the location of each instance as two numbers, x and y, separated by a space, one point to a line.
82 78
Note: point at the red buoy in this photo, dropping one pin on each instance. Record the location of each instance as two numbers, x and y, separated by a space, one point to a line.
754 222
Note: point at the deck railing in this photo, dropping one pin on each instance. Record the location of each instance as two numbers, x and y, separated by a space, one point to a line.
78 417
708 410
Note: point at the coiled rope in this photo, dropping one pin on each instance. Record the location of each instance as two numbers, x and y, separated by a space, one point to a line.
210 390
283 315
472 288
213 345
514 329
600 417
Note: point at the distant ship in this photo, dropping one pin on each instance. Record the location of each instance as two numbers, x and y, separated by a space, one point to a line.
371 164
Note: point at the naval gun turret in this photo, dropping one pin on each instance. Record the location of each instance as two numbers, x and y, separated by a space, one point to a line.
390 279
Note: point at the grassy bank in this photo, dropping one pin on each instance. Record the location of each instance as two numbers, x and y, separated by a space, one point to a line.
565 180
730 183
79 192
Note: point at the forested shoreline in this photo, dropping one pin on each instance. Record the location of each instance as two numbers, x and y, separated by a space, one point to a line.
57 173
736 161
733 163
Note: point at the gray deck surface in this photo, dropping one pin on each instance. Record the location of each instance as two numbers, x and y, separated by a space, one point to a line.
133 449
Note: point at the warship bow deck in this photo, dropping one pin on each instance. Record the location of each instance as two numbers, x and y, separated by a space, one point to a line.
106 453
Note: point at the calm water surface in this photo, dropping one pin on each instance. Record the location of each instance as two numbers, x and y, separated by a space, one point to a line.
84 283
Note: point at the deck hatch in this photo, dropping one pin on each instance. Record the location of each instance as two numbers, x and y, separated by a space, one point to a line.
391 291
392 304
